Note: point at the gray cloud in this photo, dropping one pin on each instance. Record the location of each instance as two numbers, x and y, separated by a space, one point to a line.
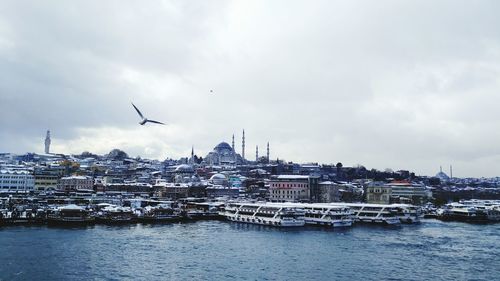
401 84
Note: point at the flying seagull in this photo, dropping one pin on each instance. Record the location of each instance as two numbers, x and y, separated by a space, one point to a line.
144 119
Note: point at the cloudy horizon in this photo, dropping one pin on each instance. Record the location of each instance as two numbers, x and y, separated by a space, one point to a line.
410 85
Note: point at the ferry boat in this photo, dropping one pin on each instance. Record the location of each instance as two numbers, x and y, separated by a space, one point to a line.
159 213
264 214
408 213
490 207
203 210
373 213
112 214
323 214
463 213
70 214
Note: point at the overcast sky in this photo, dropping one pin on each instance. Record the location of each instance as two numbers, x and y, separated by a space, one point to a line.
386 84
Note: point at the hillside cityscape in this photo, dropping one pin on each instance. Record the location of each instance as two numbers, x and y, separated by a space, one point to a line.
225 173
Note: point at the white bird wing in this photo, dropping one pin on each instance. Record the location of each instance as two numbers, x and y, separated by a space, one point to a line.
138 111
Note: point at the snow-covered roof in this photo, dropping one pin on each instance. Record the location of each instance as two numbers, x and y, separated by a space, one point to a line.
292 177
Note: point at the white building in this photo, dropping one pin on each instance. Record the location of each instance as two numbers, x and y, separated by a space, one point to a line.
16 181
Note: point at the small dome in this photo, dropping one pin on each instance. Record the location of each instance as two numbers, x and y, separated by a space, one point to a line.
184 168
218 177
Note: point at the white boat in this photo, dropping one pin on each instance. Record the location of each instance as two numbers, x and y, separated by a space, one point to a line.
491 208
264 214
113 214
460 212
408 213
373 213
323 214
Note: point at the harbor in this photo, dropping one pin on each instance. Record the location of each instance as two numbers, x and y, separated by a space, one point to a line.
93 210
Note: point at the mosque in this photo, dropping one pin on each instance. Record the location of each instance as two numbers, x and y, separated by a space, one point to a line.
225 154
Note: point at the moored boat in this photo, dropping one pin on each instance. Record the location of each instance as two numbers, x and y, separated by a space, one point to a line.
463 213
323 214
373 213
160 214
115 215
264 214
69 215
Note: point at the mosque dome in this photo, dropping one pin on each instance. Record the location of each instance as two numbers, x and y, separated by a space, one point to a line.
223 146
442 176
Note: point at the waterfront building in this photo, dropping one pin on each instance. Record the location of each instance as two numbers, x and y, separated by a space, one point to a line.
406 192
397 192
214 191
378 193
328 192
15 181
289 188
75 183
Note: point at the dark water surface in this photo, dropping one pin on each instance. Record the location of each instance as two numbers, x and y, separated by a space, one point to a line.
215 250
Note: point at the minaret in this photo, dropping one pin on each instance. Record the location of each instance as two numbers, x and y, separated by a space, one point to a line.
243 145
233 144
451 172
256 153
192 155
234 152
268 152
47 143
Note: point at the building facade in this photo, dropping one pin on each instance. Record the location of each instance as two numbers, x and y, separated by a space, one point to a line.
378 193
14 181
397 192
289 188
328 192
406 192
46 182
75 183
172 191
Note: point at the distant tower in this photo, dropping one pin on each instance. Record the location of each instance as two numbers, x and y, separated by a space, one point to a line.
234 152
192 155
233 144
256 153
243 145
451 172
267 152
47 143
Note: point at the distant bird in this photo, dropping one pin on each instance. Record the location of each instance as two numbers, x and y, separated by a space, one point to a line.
144 119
